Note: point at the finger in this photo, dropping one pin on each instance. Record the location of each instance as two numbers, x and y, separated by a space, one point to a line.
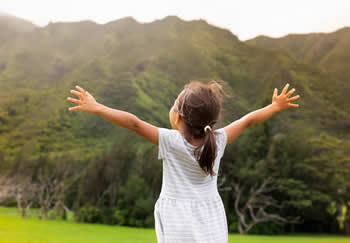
275 92
290 92
76 93
293 98
293 105
80 89
74 108
74 100
285 89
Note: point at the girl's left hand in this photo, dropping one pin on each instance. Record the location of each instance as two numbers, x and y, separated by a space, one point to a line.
282 101
86 102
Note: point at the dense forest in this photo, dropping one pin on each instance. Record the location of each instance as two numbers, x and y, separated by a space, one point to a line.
54 158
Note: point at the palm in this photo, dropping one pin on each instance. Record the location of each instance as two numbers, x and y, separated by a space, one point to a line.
86 102
283 100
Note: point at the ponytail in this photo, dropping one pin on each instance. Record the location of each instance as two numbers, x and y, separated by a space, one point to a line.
206 153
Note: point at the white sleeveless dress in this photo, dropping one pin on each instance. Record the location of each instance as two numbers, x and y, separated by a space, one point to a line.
189 207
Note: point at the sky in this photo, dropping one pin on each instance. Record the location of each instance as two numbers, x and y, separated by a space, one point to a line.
245 18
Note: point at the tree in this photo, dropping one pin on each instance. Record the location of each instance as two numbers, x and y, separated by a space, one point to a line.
53 181
255 209
22 189
253 177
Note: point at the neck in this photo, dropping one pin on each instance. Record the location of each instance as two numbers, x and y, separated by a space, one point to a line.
192 141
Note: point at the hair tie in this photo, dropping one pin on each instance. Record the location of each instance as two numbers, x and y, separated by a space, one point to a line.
206 128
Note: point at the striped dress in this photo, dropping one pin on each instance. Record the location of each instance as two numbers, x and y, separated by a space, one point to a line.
189 207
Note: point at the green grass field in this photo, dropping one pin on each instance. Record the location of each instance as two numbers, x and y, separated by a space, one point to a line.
13 229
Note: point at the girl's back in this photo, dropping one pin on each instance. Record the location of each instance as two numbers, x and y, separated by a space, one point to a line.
189 208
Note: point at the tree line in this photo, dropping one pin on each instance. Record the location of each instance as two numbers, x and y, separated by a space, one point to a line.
270 183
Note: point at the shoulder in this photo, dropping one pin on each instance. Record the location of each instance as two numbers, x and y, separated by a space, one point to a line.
167 132
168 138
221 135
167 135
221 140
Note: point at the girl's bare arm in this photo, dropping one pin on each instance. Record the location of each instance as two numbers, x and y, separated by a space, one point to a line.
87 103
279 103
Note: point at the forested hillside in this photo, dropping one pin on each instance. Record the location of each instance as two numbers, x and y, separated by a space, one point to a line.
141 68
328 52
11 26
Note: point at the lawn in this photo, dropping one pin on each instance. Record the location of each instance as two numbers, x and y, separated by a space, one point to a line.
13 229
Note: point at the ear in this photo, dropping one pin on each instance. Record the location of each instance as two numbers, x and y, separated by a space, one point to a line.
177 119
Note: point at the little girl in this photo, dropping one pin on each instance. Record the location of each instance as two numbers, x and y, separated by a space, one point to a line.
189 208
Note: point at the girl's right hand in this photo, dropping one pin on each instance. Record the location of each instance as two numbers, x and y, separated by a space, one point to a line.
86 102
283 101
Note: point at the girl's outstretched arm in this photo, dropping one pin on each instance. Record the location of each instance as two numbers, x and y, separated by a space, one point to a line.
87 103
279 103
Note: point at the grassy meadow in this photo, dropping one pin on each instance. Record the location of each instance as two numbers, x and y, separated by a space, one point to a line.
14 229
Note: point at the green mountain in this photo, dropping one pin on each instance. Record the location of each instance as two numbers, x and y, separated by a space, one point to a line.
328 52
11 26
141 68
318 49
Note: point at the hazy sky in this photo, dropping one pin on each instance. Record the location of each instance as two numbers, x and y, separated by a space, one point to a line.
245 18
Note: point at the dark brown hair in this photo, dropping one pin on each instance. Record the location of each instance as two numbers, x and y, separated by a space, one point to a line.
199 105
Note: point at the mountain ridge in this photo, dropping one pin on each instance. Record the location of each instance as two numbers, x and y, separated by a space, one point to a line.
141 68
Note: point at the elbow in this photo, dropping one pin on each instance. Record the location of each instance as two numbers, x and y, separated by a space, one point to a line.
248 123
134 124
